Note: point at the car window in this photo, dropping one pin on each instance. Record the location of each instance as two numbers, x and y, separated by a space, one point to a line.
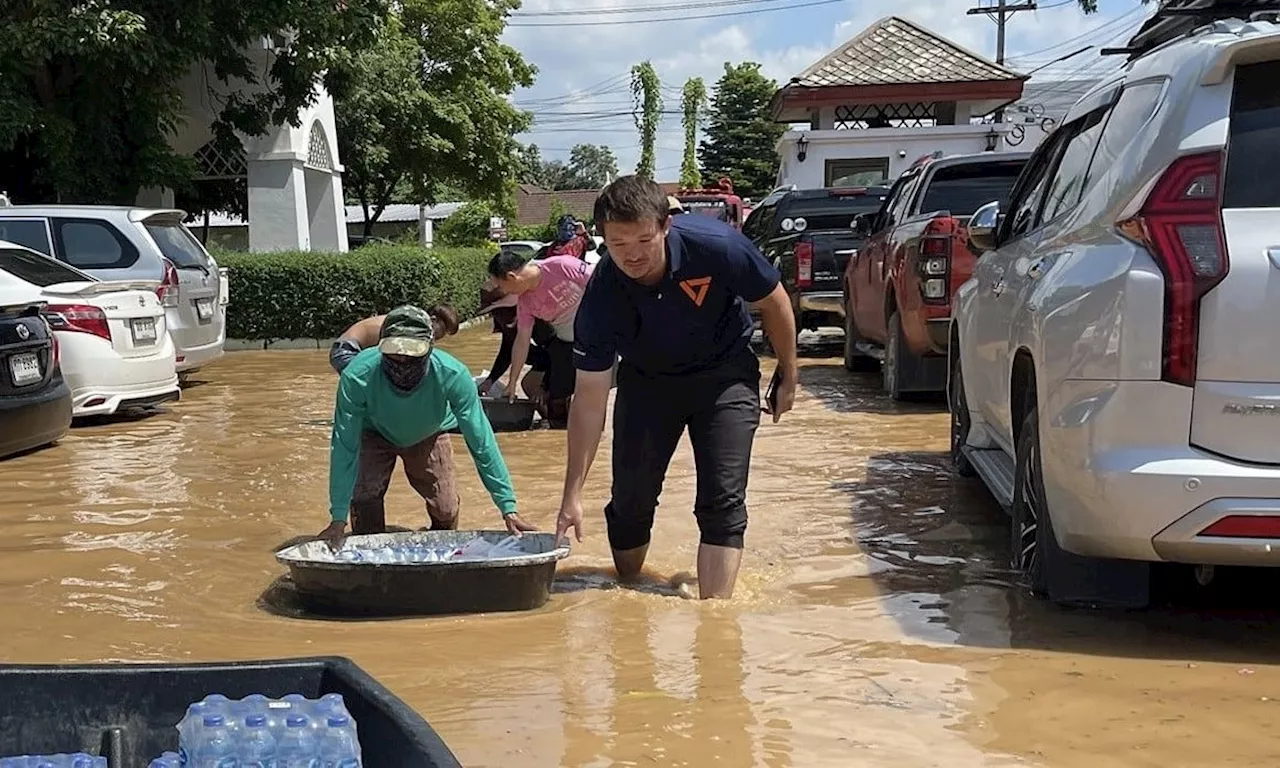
38 270
831 211
32 233
901 208
1067 183
92 244
753 227
963 189
764 225
1253 164
1135 107
177 244
1028 191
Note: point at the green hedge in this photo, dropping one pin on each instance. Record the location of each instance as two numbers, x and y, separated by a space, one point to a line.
305 295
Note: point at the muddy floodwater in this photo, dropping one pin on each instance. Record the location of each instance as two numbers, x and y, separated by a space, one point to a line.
876 622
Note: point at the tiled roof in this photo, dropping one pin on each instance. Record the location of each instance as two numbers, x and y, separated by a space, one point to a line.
894 51
535 207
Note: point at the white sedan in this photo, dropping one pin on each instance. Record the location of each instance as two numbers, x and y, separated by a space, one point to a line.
116 350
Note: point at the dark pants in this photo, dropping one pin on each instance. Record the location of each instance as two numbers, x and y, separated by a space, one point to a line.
561 381
429 467
721 409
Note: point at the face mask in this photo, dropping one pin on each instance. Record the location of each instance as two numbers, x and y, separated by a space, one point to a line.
405 374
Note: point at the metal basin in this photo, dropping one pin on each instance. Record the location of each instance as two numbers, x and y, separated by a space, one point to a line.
517 583
509 417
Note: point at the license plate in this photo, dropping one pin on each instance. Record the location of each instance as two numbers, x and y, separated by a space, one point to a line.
204 308
25 369
144 330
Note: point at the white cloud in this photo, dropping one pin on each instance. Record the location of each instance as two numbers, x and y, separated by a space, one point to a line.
572 59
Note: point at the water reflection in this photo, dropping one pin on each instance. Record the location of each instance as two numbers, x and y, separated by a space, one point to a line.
876 621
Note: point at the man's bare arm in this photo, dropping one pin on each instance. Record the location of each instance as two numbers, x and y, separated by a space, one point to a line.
586 424
780 327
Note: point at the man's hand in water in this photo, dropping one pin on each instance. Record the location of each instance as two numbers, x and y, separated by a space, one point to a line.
516 525
570 517
334 534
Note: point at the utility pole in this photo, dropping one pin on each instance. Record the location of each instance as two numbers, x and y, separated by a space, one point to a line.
1000 13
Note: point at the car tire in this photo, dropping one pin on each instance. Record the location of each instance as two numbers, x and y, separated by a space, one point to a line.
891 368
855 360
958 405
1032 529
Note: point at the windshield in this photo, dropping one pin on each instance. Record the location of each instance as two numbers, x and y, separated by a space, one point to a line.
39 270
961 190
177 244
716 209
832 212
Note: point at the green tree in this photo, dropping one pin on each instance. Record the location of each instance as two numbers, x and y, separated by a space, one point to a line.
694 97
592 165
647 90
90 91
418 110
740 134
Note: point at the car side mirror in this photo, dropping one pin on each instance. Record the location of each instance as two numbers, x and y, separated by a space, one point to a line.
983 226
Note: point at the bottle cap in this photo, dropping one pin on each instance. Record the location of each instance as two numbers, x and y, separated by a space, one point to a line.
213 721
255 721
295 721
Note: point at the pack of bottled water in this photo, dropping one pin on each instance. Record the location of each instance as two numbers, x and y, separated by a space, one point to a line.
416 552
78 760
257 732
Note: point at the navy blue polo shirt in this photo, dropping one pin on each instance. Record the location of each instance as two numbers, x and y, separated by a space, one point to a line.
694 320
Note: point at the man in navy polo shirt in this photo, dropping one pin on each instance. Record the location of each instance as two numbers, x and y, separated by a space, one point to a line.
671 300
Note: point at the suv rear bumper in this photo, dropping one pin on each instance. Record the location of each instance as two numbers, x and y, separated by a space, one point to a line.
829 302
1121 480
193 358
32 422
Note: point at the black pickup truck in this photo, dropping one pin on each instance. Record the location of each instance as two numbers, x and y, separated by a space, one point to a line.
809 236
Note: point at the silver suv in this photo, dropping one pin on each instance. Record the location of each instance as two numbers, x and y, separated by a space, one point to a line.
118 243
1115 370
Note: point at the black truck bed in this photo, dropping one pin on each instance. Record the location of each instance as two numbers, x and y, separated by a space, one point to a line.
127 712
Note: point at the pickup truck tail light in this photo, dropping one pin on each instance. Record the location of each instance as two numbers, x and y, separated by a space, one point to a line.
78 318
934 264
804 265
1181 225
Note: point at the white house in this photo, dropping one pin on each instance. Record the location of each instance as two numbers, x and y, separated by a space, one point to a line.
890 95
294 175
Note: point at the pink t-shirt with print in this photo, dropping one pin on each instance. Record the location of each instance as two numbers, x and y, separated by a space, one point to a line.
555 300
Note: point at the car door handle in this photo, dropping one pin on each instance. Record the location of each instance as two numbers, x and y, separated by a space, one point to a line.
1036 269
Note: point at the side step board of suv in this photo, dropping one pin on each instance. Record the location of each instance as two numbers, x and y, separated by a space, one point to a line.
997 470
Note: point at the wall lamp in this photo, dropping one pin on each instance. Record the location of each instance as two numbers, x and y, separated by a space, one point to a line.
802 148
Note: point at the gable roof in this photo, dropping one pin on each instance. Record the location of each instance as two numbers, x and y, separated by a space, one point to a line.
894 51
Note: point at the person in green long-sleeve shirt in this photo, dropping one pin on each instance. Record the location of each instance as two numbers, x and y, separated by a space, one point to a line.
400 399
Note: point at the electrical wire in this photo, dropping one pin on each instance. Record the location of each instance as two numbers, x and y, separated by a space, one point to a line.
684 6
810 4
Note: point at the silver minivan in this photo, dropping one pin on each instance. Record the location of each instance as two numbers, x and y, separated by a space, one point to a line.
123 243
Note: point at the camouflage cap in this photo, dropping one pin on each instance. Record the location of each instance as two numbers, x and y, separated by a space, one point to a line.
407 331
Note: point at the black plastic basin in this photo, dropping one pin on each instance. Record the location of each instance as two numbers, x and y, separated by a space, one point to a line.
127 712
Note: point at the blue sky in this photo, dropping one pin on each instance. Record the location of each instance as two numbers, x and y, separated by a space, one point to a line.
582 92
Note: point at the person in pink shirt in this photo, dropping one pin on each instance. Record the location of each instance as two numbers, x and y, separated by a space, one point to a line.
547 290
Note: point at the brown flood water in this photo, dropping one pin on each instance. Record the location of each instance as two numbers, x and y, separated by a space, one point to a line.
875 623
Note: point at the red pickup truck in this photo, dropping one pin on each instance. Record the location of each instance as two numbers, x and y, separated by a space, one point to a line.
898 287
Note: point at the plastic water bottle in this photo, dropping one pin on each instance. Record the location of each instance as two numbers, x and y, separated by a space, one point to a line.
215 748
338 743
257 745
297 747
167 760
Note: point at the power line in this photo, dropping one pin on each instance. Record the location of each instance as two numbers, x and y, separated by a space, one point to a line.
750 11
684 6
1088 33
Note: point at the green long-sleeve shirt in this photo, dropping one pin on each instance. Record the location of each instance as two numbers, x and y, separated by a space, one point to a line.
446 399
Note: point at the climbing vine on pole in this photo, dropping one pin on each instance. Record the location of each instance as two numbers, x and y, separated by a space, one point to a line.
647 90
695 98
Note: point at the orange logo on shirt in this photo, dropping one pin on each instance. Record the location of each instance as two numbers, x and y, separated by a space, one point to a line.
696 289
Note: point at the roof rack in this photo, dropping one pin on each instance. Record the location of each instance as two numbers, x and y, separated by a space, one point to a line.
1176 18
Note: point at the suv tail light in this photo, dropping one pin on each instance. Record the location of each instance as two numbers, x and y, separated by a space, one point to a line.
804 265
78 318
167 291
1181 225
55 352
